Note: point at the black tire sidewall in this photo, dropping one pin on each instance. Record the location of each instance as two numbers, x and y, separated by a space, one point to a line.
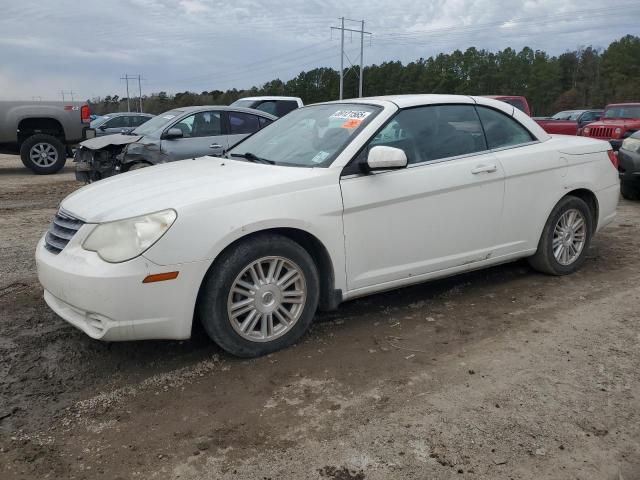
27 145
565 204
212 301
630 191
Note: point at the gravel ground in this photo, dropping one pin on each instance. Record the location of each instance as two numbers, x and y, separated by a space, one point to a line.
503 373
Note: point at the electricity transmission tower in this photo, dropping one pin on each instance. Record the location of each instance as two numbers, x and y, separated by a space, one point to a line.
343 54
126 78
63 93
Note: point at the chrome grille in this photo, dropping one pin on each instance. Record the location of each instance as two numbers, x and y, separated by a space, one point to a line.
62 229
601 132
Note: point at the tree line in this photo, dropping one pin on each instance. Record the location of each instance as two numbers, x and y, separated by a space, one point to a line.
585 77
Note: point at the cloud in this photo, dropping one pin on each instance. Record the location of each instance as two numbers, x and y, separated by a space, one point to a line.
207 44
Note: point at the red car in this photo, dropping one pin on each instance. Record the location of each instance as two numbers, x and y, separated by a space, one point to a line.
619 121
517 101
569 122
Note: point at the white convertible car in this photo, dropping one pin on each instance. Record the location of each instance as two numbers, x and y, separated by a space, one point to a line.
334 201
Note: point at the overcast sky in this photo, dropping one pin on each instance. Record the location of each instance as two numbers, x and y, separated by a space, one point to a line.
87 45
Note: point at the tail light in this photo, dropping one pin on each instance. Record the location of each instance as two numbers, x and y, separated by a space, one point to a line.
613 157
85 114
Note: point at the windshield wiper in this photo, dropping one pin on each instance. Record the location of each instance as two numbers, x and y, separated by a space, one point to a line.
252 158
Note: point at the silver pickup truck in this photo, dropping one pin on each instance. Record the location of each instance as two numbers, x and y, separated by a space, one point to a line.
42 132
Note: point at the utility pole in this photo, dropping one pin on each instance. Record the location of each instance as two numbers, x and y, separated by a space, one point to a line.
361 59
140 91
342 59
343 54
128 77
63 93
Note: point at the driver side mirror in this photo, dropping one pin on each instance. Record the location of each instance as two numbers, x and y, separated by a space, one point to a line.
102 127
386 158
172 133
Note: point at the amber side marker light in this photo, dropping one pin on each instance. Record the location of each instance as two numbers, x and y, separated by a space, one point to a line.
160 277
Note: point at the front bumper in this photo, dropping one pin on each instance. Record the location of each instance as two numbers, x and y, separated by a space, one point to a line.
109 301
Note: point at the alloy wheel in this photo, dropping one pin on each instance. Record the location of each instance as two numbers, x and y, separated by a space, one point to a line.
266 299
569 236
43 154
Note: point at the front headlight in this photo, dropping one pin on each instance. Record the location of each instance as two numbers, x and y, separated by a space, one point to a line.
123 240
631 144
618 131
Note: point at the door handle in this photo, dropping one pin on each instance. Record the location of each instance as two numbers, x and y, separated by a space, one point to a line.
484 169
215 145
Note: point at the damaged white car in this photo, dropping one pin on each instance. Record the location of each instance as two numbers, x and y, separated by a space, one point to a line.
332 202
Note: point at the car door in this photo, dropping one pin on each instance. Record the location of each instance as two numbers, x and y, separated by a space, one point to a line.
202 134
241 125
440 212
535 173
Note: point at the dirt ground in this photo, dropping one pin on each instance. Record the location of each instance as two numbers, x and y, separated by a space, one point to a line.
503 373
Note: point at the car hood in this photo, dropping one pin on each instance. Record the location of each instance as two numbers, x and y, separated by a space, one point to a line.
116 139
616 122
186 183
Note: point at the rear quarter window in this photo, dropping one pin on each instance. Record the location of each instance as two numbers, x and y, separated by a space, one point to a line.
501 130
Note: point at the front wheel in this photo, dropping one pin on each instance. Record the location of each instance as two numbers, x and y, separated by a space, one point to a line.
563 245
260 296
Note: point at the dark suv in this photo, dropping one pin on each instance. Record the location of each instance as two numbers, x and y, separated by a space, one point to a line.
629 167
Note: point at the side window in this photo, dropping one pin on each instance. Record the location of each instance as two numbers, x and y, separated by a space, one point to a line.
589 117
138 120
243 123
264 122
118 122
285 106
433 132
201 124
502 130
268 106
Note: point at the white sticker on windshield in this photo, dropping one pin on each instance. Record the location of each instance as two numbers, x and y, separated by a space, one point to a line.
351 114
320 157
168 117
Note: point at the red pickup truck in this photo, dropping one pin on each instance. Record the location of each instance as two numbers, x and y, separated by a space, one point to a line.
569 122
619 121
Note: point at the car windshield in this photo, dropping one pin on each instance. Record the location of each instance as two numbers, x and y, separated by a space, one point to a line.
156 123
623 111
99 121
307 137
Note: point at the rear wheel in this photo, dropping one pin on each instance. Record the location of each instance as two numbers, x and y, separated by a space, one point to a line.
629 192
43 154
565 238
260 296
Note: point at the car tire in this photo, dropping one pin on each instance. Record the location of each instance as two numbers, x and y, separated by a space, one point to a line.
43 154
629 192
247 303
565 239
